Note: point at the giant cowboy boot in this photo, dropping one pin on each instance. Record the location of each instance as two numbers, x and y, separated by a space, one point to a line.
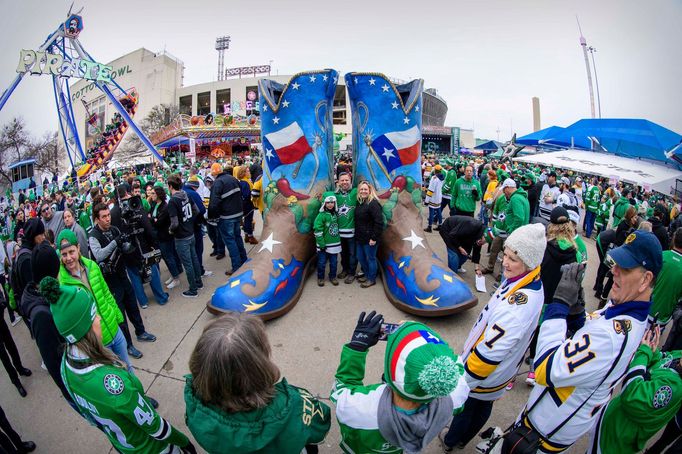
296 132
387 121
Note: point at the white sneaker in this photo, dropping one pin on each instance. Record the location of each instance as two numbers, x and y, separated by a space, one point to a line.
207 273
17 319
174 283
169 280
42 365
461 271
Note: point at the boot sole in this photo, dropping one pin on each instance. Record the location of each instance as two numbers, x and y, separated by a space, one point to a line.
440 312
265 316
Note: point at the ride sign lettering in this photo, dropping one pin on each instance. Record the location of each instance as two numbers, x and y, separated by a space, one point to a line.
54 64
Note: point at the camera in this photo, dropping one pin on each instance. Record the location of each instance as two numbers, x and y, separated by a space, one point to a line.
132 240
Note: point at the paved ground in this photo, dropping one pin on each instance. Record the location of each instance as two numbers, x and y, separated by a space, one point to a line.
306 346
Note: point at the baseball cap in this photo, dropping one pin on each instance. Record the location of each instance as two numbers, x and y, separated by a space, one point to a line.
509 183
566 181
573 213
640 249
559 215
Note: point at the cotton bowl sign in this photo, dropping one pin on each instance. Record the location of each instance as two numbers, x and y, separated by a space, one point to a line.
37 62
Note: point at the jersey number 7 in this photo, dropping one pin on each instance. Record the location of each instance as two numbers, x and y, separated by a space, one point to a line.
574 349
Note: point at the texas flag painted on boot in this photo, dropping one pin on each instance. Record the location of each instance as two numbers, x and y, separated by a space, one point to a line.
297 137
387 122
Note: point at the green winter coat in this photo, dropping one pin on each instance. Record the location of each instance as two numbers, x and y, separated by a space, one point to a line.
345 204
293 419
651 396
326 229
106 304
619 209
463 198
517 213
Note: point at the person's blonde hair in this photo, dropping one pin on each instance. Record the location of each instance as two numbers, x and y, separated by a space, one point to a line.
565 231
91 346
372 193
231 365
241 173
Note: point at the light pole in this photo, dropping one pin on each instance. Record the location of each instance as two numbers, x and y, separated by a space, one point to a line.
596 80
270 67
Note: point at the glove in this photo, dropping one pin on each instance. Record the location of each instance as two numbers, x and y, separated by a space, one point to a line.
474 192
189 449
367 331
579 306
569 286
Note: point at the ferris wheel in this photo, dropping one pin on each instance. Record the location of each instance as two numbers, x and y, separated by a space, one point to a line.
63 57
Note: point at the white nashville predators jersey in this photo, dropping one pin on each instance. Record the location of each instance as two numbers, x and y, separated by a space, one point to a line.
567 371
499 339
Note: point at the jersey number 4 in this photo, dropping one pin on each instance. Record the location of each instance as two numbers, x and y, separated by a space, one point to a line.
575 349
143 413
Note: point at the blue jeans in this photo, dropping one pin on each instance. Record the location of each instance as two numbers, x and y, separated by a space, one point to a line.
435 214
455 260
119 347
216 238
188 257
138 287
589 222
322 258
199 247
367 256
170 256
232 237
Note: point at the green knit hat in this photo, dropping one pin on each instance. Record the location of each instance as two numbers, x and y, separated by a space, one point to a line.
68 236
419 365
72 308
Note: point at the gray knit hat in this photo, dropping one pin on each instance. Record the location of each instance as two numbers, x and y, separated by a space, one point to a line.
528 242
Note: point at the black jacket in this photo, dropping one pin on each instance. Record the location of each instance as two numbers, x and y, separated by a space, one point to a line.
226 198
146 237
550 272
369 222
622 231
462 231
658 229
50 342
161 220
534 196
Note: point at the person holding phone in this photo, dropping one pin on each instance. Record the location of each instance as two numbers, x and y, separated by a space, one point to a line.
424 386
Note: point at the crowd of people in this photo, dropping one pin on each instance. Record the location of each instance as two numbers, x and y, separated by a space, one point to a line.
77 259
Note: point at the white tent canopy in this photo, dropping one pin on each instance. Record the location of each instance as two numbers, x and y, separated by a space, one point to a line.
634 171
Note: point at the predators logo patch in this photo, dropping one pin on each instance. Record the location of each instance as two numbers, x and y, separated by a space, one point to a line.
518 298
622 326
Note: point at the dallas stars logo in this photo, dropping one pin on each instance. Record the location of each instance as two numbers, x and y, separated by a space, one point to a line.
662 396
344 210
113 384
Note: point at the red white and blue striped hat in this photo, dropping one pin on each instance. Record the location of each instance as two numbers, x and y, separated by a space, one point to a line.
419 365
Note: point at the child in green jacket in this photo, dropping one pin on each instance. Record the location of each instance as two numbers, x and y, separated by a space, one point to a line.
327 239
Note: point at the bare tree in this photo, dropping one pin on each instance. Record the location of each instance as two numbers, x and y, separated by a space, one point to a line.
49 152
16 144
158 117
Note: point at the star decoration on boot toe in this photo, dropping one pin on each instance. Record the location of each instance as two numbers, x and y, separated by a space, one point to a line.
415 240
312 79
285 104
385 88
275 120
394 104
372 81
295 85
268 244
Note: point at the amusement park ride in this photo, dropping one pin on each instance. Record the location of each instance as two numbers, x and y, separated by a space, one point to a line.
62 56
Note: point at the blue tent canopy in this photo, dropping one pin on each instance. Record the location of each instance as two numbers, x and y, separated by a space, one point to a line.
632 138
539 137
490 145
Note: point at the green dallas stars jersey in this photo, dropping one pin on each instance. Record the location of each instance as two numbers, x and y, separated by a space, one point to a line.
346 203
650 397
113 399
592 198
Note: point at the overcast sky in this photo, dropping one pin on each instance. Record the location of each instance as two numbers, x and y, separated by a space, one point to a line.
487 58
